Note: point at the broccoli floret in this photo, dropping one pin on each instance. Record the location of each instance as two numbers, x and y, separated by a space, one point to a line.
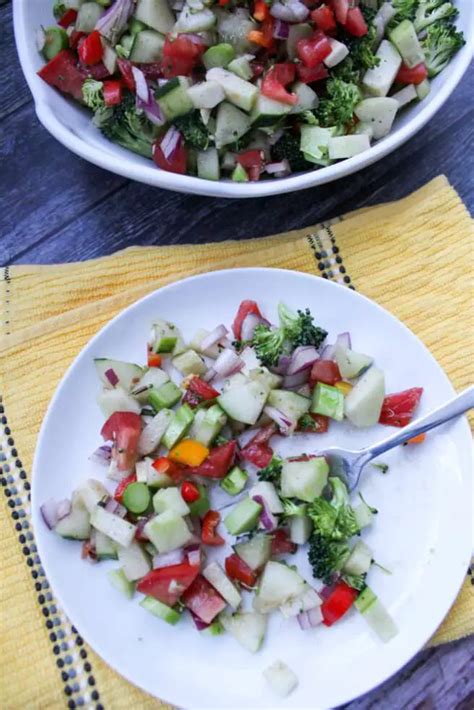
295 329
92 91
272 472
326 557
441 43
335 519
292 509
357 581
288 148
193 129
362 55
123 125
310 118
59 9
405 10
430 11
337 107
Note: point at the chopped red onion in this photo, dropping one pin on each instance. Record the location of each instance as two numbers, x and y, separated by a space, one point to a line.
200 624
327 353
195 38
145 99
170 142
290 11
214 337
113 22
52 512
111 375
102 455
310 619
344 339
278 169
194 555
295 380
302 359
114 507
63 509
284 424
167 559
268 520
228 363
282 365
281 29
249 324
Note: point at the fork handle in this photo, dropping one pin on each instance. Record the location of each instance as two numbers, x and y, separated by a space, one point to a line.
456 406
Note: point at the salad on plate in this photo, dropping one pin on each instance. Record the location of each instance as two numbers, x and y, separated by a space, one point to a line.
247 90
201 511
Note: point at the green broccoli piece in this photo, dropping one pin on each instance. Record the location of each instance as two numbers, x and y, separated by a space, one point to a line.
326 557
125 126
310 118
59 9
92 91
357 581
441 43
295 329
288 148
334 519
337 107
405 10
272 472
431 11
193 129
292 509
362 52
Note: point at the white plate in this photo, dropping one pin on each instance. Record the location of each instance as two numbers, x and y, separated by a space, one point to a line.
422 532
72 126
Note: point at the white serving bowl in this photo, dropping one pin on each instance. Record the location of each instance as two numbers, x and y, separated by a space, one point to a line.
71 124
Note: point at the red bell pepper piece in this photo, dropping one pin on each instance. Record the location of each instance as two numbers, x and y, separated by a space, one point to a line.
112 97
210 522
218 462
190 492
153 359
68 18
168 583
124 429
124 483
308 75
239 570
263 36
313 50
281 543
169 467
338 603
398 408
325 371
415 75
90 50
245 308
203 600
63 73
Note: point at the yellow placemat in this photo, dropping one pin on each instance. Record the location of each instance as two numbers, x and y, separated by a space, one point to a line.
414 257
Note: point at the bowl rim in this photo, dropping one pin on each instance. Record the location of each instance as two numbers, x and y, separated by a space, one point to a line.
150 175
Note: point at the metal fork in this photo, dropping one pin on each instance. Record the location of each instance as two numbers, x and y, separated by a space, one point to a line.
348 464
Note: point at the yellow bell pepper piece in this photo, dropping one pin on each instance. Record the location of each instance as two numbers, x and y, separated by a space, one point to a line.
344 387
189 452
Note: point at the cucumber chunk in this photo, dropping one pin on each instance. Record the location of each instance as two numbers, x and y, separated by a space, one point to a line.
339 52
207 94
256 551
241 67
134 560
267 112
235 481
179 424
280 678
111 525
304 480
152 433
174 103
350 363
170 499
168 531
162 611
405 96
307 98
216 576
359 560
147 47
363 404
278 584
208 165
231 124
88 15
117 400
378 80
375 614
164 397
239 92
156 14
207 424
379 113
76 525
127 373
244 404
105 547
301 528
189 362
218 55
200 506
405 39
90 493
328 401
136 497
267 490
342 147
243 517
195 21
248 628
55 40
118 580
153 377
292 405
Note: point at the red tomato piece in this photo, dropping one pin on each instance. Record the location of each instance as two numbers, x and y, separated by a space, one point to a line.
257 69
325 371
176 162
281 543
198 391
252 161
314 49
341 8
258 454
239 570
203 600
153 359
275 81
168 583
355 23
323 18
180 56
210 522
124 429
321 424
245 308
68 18
75 38
308 75
415 75
190 492
113 96
90 50
171 468
63 73
260 10
218 462
338 603
398 408
124 483
125 68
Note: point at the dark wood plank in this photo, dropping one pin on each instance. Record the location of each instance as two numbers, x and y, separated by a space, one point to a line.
15 92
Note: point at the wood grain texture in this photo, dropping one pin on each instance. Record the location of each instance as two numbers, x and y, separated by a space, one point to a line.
55 207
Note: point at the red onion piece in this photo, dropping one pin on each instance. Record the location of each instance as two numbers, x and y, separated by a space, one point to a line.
194 555
114 507
295 380
344 339
145 99
281 30
49 513
290 11
167 559
200 624
63 508
195 38
327 353
113 22
269 521
302 359
278 169
214 336
228 363
310 619
111 375
170 142
284 424
102 455
249 324
282 365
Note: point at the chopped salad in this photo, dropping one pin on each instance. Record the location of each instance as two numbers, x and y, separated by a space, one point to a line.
201 512
243 89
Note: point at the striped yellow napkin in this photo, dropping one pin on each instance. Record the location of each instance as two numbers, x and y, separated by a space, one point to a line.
414 257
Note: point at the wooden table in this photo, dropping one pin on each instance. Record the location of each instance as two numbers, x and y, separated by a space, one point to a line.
54 207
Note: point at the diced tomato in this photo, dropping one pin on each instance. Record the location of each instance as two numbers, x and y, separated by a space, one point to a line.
314 49
209 534
90 49
252 161
124 483
239 570
325 371
180 56
171 468
223 3
176 162
281 543
258 451
398 408
203 600
264 36
74 39
63 73
320 426
113 96
341 8
153 359
125 68
152 70
260 10
307 75
323 18
355 23
415 75
257 69
68 18
168 583
265 433
245 308
338 603
99 71
124 429
275 81
198 391
218 462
